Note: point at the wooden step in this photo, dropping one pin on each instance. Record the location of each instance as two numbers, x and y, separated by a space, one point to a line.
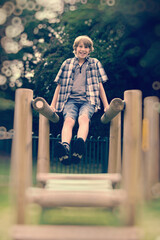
47 232
78 185
114 177
68 198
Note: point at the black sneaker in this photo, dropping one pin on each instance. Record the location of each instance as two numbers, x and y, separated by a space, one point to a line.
62 152
78 150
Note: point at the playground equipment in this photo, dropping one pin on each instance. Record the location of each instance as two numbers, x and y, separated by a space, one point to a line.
151 147
115 107
40 105
81 190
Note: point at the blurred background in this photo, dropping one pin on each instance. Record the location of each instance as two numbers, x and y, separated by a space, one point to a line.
36 36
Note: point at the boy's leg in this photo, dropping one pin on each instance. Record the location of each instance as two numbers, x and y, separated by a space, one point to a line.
63 147
83 129
79 144
67 129
85 114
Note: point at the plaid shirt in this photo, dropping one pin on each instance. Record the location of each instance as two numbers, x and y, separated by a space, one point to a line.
94 75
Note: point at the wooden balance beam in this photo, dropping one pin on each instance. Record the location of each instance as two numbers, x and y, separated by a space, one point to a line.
22 164
116 106
41 106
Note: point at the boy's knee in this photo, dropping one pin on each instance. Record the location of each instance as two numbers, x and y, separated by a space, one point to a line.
69 121
83 119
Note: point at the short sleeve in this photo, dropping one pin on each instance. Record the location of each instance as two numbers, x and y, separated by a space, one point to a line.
59 76
102 76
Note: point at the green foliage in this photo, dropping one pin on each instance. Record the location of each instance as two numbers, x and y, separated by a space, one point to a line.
6 104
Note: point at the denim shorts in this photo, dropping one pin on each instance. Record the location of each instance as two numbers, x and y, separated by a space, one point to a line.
74 110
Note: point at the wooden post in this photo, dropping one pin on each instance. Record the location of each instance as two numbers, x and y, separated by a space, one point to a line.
21 159
132 152
43 146
114 163
150 145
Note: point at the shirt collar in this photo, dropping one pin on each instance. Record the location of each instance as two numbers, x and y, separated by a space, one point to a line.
76 59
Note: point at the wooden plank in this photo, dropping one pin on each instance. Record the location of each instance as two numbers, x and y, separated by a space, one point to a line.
75 233
79 182
78 185
50 198
115 178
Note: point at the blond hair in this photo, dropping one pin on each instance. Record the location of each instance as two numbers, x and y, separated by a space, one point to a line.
86 41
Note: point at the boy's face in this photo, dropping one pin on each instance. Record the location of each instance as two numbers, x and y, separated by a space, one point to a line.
82 50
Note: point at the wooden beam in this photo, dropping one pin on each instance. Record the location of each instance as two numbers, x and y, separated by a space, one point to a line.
41 106
116 106
50 198
43 177
75 233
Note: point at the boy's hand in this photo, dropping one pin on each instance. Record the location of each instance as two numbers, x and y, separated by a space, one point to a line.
105 108
53 108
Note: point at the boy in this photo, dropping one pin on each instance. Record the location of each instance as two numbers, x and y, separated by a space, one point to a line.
77 95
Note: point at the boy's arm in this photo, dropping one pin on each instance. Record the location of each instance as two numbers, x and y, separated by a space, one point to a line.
55 96
103 96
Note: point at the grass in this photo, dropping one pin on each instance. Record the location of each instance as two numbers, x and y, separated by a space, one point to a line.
148 217
149 220
6 219
80 216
